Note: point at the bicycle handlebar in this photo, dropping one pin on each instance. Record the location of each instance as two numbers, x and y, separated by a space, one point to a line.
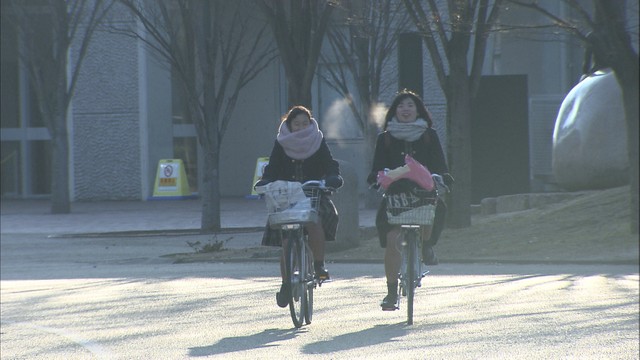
437 178
319 184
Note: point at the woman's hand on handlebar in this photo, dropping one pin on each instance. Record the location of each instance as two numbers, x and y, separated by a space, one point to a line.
334 182
448 179
261 182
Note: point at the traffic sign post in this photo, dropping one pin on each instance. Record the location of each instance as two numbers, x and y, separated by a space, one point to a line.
171 181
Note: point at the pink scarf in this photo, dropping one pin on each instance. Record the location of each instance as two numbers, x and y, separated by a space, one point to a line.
301 144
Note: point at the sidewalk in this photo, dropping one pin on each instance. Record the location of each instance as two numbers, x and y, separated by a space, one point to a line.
237 214
243 220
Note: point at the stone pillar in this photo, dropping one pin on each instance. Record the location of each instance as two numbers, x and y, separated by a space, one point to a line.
346 201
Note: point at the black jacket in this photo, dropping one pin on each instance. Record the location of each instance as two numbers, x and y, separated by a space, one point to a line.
390 153
316 167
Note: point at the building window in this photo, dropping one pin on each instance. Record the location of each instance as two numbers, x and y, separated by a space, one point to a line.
9 90
26 144
40 163
11 184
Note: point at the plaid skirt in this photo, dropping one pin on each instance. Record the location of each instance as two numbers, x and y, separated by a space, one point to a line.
328 215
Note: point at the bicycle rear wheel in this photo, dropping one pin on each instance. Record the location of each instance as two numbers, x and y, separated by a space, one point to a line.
296 273
412 251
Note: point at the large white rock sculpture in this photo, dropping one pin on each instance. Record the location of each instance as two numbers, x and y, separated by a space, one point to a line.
589 138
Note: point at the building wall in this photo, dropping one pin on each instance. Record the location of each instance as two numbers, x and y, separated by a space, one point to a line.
105 129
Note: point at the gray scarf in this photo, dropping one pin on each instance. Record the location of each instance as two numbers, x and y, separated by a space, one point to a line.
301 144
407 131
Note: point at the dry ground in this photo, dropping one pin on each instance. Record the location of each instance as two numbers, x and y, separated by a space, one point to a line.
591 227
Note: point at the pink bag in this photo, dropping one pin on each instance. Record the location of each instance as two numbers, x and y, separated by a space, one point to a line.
413 171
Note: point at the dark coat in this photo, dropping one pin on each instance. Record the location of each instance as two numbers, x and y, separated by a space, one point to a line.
390 153
316 167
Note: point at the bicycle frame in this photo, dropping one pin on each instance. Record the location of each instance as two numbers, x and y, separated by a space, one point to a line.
411 272
411 210
290 215
299 271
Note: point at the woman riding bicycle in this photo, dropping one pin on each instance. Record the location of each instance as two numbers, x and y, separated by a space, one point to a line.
300 153
408 131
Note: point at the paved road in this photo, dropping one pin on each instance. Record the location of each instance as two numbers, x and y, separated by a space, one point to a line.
118 298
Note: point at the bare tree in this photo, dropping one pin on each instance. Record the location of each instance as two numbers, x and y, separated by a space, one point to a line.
299 31
450 39
363 43
216 51
48 30
606 34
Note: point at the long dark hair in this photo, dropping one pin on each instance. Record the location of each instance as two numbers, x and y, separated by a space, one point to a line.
423 113
293 112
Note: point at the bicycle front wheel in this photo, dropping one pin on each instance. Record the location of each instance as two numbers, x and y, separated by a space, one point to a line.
412 256
310 285
296 273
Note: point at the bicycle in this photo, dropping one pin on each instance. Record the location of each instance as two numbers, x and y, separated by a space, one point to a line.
411 210
290 206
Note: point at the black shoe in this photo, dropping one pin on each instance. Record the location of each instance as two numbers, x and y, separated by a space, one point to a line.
390 302
429 256
322 274
284 295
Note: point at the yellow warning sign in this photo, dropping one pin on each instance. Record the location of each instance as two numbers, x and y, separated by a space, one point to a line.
171 180
260 165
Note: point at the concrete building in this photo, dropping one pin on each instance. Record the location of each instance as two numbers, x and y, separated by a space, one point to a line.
125 116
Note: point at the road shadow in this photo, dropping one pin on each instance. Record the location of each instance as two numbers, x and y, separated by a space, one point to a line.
360 339
266 338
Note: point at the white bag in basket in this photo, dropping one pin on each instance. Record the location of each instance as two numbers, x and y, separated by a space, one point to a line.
281 195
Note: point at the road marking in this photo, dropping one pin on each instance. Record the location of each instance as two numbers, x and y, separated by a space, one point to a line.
96 349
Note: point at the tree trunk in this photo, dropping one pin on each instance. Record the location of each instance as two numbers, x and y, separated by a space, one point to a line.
60 199
299 94
459 145
211 222
372 198
210 193
370 133
60 202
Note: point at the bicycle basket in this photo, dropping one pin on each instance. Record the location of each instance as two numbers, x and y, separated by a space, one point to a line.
408 204
288 203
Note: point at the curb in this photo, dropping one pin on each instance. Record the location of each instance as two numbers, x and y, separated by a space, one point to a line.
442 262
364 230
276 258
135 233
